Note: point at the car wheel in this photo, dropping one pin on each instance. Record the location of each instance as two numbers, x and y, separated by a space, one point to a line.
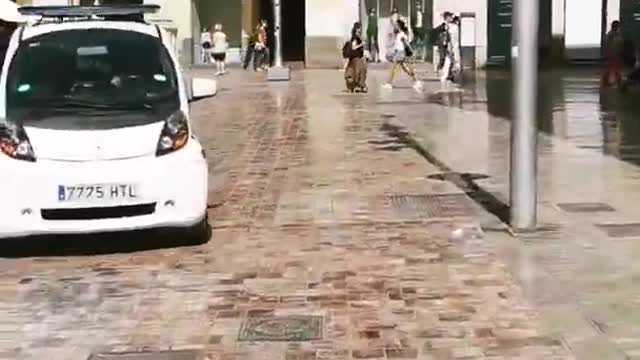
199 233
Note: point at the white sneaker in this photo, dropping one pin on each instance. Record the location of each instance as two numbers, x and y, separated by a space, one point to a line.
387 86
418 86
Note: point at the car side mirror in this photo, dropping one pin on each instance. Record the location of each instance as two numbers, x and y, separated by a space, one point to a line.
203 88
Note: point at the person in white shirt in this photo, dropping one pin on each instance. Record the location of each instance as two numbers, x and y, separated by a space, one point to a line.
400 55
452 64
205 46
219 51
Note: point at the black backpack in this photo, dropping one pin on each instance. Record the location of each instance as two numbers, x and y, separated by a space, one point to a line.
441 35
347 50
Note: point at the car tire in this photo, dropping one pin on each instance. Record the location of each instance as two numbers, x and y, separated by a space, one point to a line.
199 233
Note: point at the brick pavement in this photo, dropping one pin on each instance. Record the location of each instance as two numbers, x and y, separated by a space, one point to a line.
302 182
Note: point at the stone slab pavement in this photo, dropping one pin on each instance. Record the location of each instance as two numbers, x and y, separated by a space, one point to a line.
327 235
579 269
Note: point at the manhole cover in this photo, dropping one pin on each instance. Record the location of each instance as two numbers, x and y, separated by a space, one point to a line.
431 206
585 207
290 328
621 230
150 355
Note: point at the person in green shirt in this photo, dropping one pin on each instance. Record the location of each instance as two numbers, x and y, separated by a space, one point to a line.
418 26
372 35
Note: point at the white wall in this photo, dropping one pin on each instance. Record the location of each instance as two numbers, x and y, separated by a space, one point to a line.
176 14
479 7
331 17
613 11
557 18
583 24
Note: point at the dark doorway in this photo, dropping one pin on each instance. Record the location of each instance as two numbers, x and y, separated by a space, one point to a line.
293 27
630 23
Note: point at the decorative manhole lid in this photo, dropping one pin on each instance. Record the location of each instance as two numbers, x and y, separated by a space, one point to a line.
431 205
150 355
620 230
585 207
289 328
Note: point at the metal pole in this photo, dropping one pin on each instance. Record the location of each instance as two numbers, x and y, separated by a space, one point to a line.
277 32
278 72
523 129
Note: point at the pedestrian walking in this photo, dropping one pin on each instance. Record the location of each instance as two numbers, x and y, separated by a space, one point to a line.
613 48
372 36
453 65
355 74
442 39
219 50
261 49
419 32
400 56
251 49
205 46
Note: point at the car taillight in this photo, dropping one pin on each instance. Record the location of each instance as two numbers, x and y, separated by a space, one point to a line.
15 143
174 135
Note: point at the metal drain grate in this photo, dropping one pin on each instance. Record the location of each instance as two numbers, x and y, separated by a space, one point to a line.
289 328
150 355
431 206
620 230
585 207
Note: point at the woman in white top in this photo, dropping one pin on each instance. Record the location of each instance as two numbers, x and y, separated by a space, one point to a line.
400 55
219 51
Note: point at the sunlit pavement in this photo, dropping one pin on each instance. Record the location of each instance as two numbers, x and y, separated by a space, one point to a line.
580 270
340 233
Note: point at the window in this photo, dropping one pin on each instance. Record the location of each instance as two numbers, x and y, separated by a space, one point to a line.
91 72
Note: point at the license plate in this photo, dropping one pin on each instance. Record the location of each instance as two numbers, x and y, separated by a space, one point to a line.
105 192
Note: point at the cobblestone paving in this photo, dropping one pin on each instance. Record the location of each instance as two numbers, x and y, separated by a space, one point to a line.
303 225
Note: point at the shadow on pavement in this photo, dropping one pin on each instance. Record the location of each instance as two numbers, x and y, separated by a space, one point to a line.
465 182
93 244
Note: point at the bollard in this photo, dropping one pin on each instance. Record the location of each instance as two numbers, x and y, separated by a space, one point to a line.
278 72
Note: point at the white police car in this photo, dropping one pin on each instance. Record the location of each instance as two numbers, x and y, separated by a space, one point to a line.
95 133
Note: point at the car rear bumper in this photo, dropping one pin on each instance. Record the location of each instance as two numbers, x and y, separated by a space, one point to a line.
172 193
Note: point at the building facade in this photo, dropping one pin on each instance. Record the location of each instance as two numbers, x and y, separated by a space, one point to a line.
313 31
570 30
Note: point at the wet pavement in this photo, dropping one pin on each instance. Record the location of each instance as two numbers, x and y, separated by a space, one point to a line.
579 269
571 106
339 232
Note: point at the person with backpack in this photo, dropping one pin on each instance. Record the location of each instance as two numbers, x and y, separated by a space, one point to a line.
453 63
400 56
355 74
442 40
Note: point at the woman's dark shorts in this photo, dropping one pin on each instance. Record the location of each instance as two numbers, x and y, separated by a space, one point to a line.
219 57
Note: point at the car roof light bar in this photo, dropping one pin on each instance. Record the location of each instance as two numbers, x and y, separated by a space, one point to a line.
87 11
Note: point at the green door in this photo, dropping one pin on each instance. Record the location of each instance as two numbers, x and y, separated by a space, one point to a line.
499 31
630 21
